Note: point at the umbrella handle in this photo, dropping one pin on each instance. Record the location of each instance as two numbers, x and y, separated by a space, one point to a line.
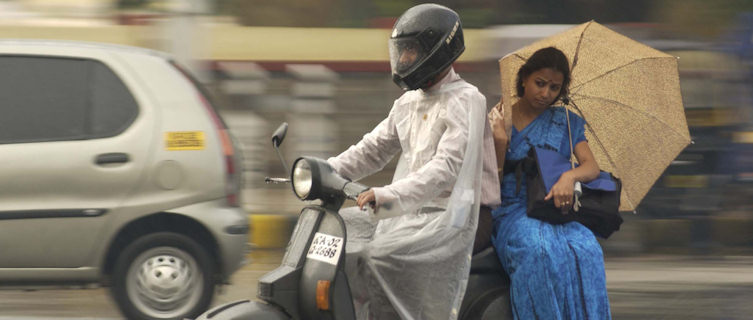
577 192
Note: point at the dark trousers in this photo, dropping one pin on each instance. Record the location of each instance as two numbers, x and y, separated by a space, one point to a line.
484 230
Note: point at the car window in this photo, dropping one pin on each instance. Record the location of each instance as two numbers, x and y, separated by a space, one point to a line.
55 99
113 106
42 99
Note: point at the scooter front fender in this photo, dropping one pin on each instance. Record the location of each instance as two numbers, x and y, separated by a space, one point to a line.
244 310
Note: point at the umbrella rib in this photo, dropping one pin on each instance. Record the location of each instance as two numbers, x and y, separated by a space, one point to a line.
519 56
577 48
575 88
636 110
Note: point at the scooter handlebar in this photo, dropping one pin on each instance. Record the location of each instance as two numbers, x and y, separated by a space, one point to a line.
353 189
276 180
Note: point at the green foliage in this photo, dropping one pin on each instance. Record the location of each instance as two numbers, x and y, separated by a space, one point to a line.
131 4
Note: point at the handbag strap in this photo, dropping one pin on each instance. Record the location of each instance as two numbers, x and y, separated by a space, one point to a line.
570 138
525 166
577 187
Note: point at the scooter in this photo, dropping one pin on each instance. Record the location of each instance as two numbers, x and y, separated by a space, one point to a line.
310 283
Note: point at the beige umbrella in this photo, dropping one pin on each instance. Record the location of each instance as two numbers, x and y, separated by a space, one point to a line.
629 95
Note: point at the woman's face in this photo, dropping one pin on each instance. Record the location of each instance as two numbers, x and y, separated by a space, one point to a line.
542 87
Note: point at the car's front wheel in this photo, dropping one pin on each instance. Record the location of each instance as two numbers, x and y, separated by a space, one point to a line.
163 275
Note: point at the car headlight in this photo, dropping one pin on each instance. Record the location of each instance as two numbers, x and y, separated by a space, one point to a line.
302 178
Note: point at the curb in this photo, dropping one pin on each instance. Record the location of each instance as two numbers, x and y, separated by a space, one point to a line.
270 231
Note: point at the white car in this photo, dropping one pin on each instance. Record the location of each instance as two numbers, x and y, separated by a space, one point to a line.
115 169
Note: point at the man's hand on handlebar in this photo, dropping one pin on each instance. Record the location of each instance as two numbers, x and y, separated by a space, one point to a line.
367 197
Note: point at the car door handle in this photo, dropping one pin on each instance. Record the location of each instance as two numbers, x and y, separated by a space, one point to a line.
114 157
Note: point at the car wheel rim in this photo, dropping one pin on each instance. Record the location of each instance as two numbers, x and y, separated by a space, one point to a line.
164 282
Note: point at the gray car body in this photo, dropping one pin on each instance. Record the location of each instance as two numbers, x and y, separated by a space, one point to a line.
40 181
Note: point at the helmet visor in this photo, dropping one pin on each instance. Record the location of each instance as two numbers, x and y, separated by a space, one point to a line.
405 53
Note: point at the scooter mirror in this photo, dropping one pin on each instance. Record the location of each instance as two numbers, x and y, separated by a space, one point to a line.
279 134
277 138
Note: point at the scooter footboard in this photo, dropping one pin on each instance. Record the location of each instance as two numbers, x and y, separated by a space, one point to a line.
244 310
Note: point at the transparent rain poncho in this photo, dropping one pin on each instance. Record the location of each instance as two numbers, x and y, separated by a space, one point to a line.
413 260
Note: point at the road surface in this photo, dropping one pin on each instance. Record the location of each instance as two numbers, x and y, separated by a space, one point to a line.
644 287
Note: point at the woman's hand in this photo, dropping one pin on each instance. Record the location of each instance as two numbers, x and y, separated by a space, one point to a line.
500 128
562 192
367 197
498 125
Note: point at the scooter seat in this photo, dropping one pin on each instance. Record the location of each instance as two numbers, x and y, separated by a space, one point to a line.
486 261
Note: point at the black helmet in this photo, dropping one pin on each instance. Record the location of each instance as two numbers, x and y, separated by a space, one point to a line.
426 39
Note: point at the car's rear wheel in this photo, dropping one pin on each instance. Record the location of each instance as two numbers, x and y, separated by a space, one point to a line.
163 275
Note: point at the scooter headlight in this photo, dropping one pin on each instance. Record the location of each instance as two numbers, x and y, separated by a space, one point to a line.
301 177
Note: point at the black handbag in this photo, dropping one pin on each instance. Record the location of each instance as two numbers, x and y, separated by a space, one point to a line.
597 207
598 211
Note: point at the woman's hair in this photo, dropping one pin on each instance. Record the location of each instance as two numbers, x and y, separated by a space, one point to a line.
549 57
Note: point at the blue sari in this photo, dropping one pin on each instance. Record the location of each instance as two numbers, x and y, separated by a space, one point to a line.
557 271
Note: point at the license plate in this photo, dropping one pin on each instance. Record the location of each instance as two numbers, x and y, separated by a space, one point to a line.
325 248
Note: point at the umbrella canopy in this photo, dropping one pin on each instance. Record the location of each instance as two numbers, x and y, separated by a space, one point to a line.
629 95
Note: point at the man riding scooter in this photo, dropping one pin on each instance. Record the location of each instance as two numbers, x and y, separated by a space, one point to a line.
409 258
